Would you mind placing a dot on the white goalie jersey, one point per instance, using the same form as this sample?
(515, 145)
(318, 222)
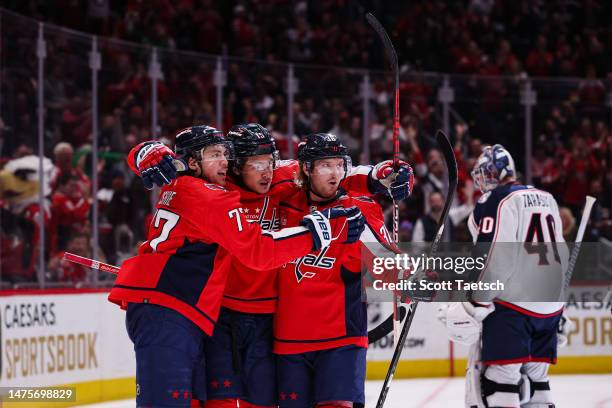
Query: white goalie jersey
(519, 229)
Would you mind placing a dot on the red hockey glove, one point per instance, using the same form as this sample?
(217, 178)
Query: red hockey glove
(397, 184)
(154, 162)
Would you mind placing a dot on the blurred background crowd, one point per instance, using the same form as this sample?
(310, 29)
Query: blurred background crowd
(488, 52)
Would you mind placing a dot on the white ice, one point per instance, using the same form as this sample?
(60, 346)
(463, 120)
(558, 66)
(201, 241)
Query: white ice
(570, 391)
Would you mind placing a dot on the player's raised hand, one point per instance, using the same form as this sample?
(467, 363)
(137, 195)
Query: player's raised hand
(397, 184)
(155, 163)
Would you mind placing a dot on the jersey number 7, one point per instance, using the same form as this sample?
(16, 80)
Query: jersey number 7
(539, 247)
(171, 219)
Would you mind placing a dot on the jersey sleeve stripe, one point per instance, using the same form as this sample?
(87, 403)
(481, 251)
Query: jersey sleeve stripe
(286, 233)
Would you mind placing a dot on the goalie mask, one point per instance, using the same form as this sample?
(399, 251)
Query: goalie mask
(493, 166)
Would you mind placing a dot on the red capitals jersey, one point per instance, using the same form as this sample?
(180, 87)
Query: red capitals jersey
(184, 264)
(319, 303)
(250, 292)
(68, 210)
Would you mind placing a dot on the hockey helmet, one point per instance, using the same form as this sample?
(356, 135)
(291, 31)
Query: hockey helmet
(191, 141)
(319, 146)
(251, 139)
(493, 166)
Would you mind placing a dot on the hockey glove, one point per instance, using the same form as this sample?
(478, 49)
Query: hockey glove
(397, 184)
(347, 224)
(320, 228)
(157, 164)
(344, 225)
(464, 321)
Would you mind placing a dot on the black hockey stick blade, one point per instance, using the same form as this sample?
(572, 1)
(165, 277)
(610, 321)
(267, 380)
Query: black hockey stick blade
(446, 148)
(385, 327)
(393, 63)
(451, 164)
(382, 33)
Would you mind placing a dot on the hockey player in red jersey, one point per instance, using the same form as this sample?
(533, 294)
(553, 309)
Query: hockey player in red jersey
(172, 289)
(320, 331)
(239, 354)
(240, 363)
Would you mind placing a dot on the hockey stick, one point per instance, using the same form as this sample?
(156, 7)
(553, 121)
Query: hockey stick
(451, 164)
(584, 220)
(392, 57)
(90, 263)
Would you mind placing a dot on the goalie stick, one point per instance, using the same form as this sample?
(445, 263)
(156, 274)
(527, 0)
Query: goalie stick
(392, 57)
(451, 164)
(584, 220)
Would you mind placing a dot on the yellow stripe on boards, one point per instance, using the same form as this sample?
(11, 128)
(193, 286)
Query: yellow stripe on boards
(376, 370)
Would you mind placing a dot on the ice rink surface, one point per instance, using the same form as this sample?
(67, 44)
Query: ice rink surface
(570, 391)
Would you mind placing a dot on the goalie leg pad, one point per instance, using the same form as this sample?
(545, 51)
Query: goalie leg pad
(473, 394)
(501, 385)
(539, 387)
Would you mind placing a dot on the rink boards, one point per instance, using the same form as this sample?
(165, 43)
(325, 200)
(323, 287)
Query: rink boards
(77, 338)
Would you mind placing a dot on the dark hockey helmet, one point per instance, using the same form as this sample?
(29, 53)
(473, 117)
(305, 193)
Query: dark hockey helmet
(190, 141)
(251, 139)
(317, 146)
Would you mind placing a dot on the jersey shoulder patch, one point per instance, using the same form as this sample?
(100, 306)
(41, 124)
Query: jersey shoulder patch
(483, 198)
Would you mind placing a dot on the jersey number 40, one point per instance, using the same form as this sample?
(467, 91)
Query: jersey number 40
(541, 245)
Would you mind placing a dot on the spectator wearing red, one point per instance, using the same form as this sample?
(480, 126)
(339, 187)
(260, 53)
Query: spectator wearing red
(69, 272)
(69, 209)
(580, 167)
(63, 154)
(592, 93)
(540, 60)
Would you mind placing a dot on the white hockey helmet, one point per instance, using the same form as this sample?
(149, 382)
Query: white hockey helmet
(493, 165)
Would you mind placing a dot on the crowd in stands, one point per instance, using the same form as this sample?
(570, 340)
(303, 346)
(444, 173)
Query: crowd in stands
(490, 48)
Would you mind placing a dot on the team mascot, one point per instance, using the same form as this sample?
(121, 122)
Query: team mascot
(19, 206)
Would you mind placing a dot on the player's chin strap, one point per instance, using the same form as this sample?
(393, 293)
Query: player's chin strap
(325, 200)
